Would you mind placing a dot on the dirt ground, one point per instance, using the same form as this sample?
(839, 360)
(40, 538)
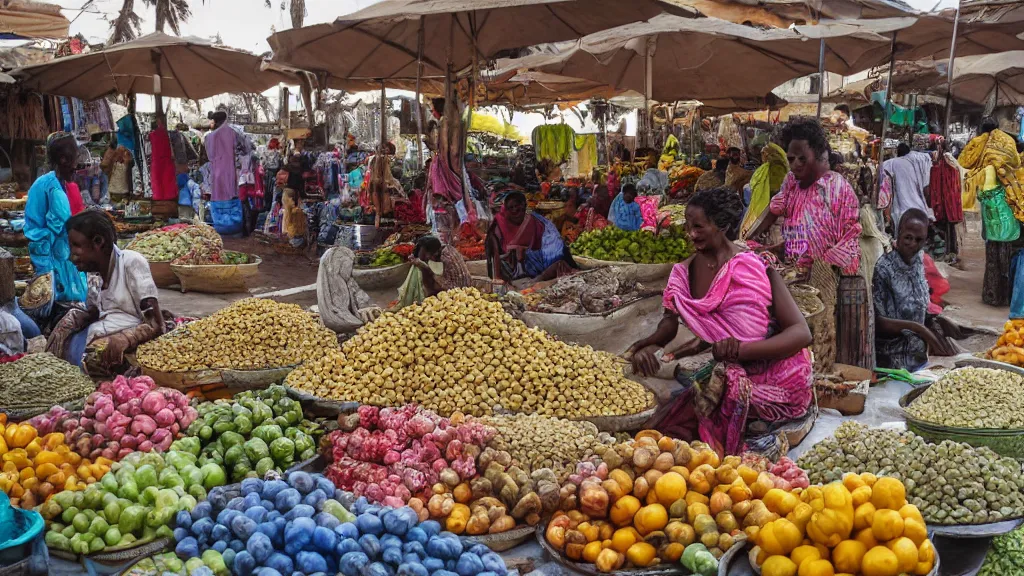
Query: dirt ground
(292, 278)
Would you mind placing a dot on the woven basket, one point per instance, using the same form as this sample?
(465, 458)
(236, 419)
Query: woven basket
(738, 549)
(823, 325)
(505, 540)
(1005, 442)
(644, 272)
(112, 556)
(381, 278)
(574, 325)
(162, 274)
(217, 278)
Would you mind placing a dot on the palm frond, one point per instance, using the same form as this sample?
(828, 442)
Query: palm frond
(127, 25)
(170, 14)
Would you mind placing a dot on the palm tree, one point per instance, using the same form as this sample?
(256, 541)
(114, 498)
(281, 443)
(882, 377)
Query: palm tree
(128, 24)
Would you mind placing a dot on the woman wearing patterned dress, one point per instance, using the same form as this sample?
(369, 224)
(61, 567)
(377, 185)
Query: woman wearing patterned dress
(903, 338)
(820, 211)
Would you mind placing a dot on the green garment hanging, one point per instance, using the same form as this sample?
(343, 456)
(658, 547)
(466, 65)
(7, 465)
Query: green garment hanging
(554, 142)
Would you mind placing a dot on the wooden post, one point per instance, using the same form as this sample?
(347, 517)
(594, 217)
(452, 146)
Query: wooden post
(885, 121)
(418, 110)
(6, 276)
(821, 74)
(949, 75)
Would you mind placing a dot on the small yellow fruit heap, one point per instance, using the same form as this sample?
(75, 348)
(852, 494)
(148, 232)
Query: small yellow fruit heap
(253, 333)
(860, 526)
(1010, 346)
(457, 352)
(654, 496)
(37, 467)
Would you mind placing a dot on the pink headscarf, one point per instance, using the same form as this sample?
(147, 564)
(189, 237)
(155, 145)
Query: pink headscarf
(736, 305)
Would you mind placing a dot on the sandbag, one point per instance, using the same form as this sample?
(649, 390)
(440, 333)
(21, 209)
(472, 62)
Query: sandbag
(227, 216)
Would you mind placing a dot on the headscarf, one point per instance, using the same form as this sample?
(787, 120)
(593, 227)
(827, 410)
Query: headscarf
(338, 296)
(998, 149)
(57, 136)
(625, 216)
(527, 234)
(765, 182)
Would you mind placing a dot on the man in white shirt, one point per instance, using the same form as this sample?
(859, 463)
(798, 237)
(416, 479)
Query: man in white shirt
(911, 176)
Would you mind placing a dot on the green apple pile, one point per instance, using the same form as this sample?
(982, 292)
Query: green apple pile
(136, 501)
(639, 246)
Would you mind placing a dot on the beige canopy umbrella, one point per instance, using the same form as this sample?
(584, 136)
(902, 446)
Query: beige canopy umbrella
(188, 67)
(382, 42)
(672, 58)
(992, 78)
(977, 34)
(20, 19)
(854, 92)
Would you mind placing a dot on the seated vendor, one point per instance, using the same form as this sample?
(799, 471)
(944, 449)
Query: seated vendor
(434, 270)
(742, 311)
(625, 212)
(524, 245)
(904, 334)
(122, 308)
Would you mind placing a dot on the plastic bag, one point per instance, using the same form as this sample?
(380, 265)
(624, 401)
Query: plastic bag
(17, 526)
(997, 216)
(227, 216)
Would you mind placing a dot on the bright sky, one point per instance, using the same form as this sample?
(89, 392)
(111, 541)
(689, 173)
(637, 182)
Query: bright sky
(246, 24)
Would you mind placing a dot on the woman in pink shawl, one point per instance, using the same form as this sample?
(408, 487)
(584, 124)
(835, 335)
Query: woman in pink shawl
(740, 309)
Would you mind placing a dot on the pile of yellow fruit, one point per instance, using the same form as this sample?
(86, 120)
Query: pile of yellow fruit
(35, 468)
(459, 352)
(253, 333)
(860, 526)
(657, 496)
(1010, 346)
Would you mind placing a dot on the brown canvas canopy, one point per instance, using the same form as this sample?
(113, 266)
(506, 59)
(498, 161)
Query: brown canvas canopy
(929, 37)
(27, 19)
(382, 42)
(707, 58)
(188, 67)
(996, 78)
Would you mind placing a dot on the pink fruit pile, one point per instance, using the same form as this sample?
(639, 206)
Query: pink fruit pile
(120, 417)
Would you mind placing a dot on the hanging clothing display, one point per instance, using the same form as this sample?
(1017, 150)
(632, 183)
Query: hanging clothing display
(554, 142)
(126, 133)
(220, 149)
(945, 191)
(161, 171)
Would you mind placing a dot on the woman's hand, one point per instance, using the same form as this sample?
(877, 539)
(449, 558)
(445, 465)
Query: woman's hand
(937, 345)
(643, 359)
(418, 263)
(113, 352)
(727, 350)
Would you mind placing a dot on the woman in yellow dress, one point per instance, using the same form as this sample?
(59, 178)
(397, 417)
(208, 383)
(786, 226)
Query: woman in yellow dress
(992, 156)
